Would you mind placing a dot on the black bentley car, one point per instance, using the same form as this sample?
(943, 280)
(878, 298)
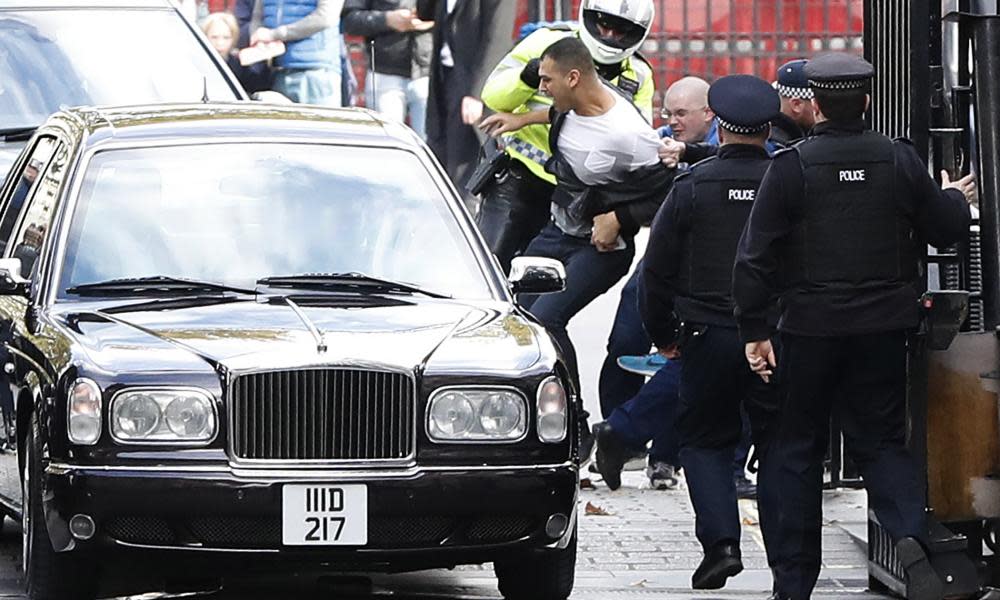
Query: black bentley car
(257, 337)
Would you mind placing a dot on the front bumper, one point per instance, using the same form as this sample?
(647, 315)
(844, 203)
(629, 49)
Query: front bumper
(418, 518)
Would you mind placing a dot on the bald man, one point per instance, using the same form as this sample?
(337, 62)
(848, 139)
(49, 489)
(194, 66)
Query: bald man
(686, 111)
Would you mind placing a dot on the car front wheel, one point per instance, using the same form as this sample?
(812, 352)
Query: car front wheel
(48, 575)
(544, 575)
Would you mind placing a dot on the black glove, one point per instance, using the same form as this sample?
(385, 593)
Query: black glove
(529, 74)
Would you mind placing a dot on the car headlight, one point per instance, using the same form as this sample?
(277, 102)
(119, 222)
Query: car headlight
(477, 415)
(84, 412)
(552, 411)
(163, 415)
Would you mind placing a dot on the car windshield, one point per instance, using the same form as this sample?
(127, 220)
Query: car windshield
(75, 57)
(233, 213)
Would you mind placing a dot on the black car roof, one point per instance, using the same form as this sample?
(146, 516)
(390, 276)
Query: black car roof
(205, 122)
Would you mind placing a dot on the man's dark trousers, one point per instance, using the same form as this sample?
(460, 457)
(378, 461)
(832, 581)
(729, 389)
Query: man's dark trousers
(651, 414)
(628, 338)
(589, 274)
(715, 381)
(455, 144)
(863, 377)
(514, 210)
(654, 400)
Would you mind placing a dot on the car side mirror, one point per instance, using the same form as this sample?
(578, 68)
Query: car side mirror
(11, 282)
(536, 275)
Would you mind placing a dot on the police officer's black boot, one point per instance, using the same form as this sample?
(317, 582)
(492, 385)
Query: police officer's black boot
(721, 562)
(922, 581)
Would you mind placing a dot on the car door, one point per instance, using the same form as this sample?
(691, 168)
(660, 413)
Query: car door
(24, 225)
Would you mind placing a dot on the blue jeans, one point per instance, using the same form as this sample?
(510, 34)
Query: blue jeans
(589, 274)
(651, 414)
(628, 338)
(310, 86)
(396, 97)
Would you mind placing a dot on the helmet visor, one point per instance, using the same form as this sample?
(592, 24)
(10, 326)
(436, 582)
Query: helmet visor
(612, 30)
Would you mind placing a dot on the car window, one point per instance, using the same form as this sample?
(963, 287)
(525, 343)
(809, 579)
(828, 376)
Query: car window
(234, 213)
(34, 226)
(27, 180)
(89, 56)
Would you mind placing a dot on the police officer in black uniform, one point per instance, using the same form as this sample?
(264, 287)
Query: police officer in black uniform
(687, 307)
(838, 230)
(796, 117)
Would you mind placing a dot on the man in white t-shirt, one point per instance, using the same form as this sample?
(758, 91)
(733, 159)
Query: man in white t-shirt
(610, 181)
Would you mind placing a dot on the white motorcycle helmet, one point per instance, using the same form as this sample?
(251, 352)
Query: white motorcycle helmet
(614, 29)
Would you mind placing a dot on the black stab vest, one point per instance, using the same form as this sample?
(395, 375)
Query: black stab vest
(723, 194)
(852, 230)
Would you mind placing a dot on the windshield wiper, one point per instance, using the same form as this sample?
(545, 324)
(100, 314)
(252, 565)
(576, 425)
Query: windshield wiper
(155, 283)
(17, 134)
(354, 281)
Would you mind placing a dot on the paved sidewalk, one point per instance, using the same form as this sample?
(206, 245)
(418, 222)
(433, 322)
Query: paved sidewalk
(645, 548)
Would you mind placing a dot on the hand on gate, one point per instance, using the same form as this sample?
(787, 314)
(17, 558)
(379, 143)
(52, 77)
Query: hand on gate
(966, 185)
(760, 355)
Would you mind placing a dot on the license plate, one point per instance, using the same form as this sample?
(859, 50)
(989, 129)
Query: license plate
(324, 515)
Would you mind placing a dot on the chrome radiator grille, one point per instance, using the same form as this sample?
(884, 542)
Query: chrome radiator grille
(322, 414)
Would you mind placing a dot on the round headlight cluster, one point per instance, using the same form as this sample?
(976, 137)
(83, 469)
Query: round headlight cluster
(163, 416)
(477, 415)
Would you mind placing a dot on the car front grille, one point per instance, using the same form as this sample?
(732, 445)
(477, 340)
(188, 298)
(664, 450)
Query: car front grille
(499, 529)
(323, 414)
(141, 530)
(264, 532)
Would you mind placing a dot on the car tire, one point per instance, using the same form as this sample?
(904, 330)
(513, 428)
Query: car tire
(48, 575)
(547, 575)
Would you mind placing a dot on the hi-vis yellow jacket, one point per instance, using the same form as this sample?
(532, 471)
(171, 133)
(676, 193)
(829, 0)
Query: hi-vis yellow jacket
(505, 92)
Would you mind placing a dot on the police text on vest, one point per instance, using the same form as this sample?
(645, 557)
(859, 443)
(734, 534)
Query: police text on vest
(852, 176)
(742, 195)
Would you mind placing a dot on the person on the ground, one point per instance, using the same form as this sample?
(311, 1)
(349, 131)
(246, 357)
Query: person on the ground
(516, 206)
(398, 48)
(839, 230)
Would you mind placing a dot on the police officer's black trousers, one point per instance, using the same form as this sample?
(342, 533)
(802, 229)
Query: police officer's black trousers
(862, 377)
(513, 211)
(715, 380)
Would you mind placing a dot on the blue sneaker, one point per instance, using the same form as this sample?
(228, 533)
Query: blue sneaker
(646, 365)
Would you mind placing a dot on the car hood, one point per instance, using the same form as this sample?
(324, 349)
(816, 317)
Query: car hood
(438, 335)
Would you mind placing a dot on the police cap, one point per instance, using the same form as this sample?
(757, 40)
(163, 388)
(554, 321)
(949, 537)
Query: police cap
(792, 81)
(839, 71)
(743, 104)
